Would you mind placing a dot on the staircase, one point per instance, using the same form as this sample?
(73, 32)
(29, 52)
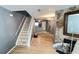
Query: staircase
(23, 36)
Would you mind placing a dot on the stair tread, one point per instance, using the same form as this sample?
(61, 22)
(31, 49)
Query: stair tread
(23, 38)
(21, 44)
(24, 31)
(23, 34)
(22, 41)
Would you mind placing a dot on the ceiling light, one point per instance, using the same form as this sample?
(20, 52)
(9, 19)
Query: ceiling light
(25, 9)
(48, 15)
(11, 15)
(36, 23)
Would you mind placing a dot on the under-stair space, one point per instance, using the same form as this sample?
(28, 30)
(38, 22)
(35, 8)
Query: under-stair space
(23, 36)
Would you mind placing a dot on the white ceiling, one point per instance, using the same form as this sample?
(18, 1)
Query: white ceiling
(32, 9)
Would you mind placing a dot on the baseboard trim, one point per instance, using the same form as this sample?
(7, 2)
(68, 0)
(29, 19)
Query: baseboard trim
(11, 49)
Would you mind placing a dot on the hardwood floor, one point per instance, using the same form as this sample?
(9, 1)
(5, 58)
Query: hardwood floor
(44, 39)
(40, 45)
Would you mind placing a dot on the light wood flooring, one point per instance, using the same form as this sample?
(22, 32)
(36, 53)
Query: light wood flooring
(40, 45)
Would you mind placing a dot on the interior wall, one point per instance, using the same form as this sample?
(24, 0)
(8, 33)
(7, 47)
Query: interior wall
(8, 29)
(52, 24)
(43, 25)
(60, 21)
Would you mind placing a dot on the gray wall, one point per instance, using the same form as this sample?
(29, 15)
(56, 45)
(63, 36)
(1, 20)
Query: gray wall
(8, 28)
(51, 26)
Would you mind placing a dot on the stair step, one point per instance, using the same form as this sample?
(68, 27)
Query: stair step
(25, 26)
(24, 31)
(21, 44)
(23, 38)
(27, 21)
(23, 34)
(22, 41)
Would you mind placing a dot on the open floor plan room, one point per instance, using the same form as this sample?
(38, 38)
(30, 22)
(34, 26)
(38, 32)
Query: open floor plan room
(39, 29)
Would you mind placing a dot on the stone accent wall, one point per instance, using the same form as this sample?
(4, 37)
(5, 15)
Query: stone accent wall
(60, 22)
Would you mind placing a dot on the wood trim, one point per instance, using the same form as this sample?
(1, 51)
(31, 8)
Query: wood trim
(11, 49)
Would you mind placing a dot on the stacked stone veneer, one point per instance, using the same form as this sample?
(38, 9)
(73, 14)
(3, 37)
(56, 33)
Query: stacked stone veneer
(60, 21)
